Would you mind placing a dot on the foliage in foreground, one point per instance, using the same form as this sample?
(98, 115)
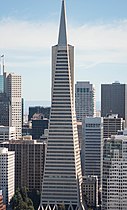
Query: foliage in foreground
(20, 200)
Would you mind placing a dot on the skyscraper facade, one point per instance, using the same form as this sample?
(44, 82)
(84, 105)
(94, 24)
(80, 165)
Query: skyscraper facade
(114, 99)
(1, 84)
(92, 147)
(2, 74)
(13, 92)
(5, 110)
(62, 175)
(84, 100)
(114, 184)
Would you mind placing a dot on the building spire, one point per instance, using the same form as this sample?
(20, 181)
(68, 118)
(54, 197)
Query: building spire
(62, 39)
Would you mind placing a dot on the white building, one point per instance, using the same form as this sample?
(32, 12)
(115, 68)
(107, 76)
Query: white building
(84, 100)
(62, 175)
(7, 174)
(13, 91)
(92, 147)
(114, 184)
(7, 133)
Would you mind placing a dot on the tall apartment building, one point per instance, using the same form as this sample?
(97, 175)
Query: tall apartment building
(84, 100)
(111, 124)
(13, 92)
(114, 185)
(29, 162)
(62, 175)
(114, 99)
(7, 174)
(92, 147)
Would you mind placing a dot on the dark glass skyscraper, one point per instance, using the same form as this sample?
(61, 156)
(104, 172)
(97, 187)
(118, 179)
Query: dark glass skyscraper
(2, 74)
(1, 84)
(113, 99)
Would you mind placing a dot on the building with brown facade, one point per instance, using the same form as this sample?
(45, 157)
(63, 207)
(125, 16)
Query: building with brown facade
(29, 162)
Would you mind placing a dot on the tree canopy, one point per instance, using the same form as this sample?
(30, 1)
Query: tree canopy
(20, 200)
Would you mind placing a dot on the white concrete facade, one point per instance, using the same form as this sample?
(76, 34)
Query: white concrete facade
(85, 103)
(7, 174)
(114, 184)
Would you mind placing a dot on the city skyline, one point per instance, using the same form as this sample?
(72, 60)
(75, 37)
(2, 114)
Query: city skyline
(27, 32)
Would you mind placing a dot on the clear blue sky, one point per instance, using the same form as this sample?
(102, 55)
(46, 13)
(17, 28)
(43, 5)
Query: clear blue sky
(97, 29)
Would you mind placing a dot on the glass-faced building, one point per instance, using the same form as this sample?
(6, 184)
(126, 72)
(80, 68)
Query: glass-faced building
(1, 83)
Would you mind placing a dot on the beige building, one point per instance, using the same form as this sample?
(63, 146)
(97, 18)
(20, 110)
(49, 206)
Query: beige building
(29, 162)
(13, 91)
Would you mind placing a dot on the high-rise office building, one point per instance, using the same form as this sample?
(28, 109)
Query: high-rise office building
(5, 104)
(2, 74)
(111, 124)
(5, 110)
(114, 99)
(1, 83)
(92, 147)
(84, 100)
(13, 92)
(29, 162)
(114, 182)
(62, 175)
(7, 174)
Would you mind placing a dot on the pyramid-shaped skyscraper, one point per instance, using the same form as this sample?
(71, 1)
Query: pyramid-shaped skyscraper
(62, 175)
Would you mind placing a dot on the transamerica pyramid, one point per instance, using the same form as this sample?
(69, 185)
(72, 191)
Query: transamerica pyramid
(62, 174)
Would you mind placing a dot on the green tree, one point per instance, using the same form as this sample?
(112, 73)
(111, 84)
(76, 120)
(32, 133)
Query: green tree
(21, 201)
(34, 195)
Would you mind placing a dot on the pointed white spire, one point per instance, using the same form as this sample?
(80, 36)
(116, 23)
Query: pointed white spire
(62, 39)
